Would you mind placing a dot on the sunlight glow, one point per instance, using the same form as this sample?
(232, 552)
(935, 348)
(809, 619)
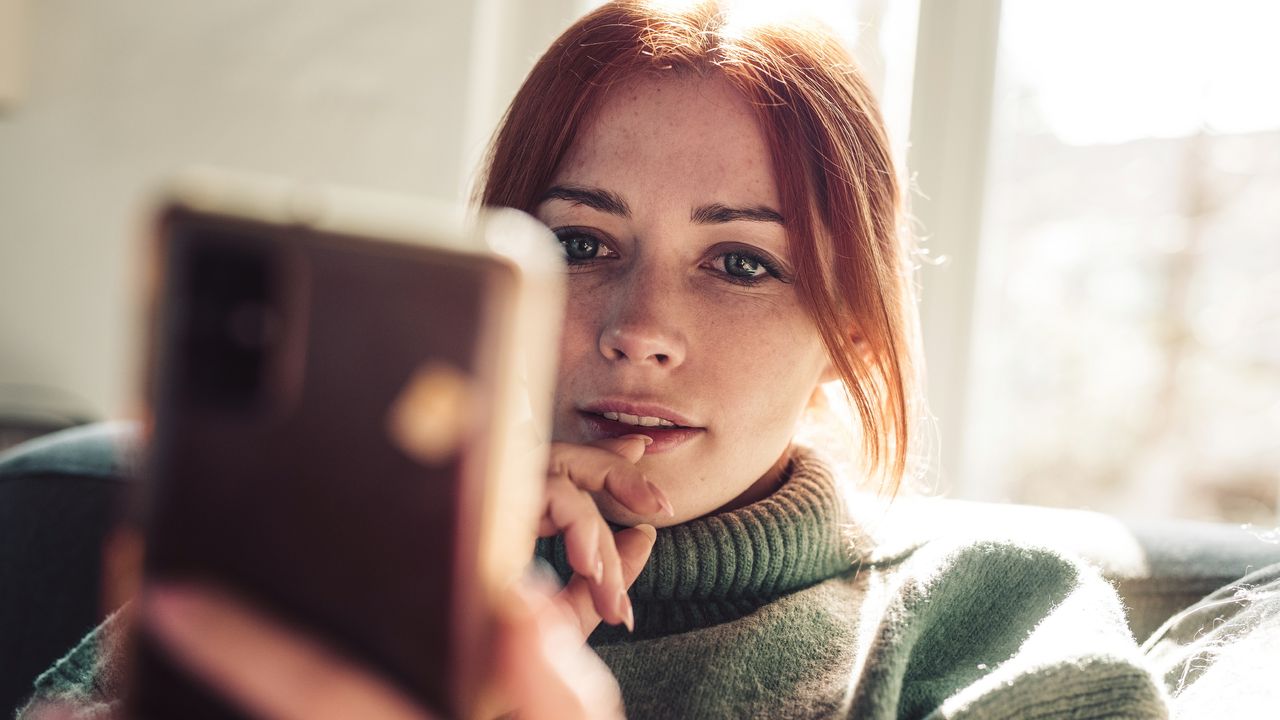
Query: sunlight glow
(839, 15)
(1108, 72)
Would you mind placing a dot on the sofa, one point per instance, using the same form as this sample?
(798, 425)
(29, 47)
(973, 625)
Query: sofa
(60, 495)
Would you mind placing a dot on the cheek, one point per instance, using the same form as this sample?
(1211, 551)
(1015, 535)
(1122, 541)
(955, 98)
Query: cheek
(578, 336)
(765, 363)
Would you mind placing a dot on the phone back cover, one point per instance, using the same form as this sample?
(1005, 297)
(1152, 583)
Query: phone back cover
(307, 504)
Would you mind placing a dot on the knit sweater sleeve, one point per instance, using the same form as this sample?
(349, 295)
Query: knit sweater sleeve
(989, 629)
(87, 683)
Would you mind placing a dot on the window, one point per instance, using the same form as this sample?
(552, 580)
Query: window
(1125, 347)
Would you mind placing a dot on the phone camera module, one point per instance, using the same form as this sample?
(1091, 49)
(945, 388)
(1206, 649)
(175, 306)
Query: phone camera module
(228, 320)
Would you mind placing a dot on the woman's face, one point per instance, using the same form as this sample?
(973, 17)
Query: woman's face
(681, 303)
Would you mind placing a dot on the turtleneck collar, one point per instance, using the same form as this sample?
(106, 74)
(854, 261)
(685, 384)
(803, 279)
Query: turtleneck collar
(719, 567)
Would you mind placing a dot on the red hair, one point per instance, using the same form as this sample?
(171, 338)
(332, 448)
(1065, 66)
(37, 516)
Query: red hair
(833, 167)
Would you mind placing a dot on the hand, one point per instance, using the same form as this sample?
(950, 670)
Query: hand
(604, 564)
(544, 670)
(543, 667)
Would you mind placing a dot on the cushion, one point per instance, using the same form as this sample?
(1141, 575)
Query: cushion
(58, 499)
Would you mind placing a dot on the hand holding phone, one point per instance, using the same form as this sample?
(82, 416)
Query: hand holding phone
(545, 672)
(329, 385)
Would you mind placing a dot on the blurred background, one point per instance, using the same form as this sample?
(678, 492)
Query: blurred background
(1097, 182)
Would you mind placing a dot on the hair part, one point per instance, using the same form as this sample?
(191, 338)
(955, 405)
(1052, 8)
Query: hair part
(833, 166)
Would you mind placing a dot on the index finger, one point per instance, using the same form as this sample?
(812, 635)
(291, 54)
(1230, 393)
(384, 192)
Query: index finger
(600, 467)
(632, 447)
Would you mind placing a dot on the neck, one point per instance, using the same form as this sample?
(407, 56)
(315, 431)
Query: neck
(761, 488)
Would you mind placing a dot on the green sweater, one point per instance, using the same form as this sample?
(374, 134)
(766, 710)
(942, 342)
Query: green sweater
(780, 609)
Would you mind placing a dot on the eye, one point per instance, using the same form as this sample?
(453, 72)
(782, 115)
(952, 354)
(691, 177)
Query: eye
(747, 268)
(581, 246)
(743, 265)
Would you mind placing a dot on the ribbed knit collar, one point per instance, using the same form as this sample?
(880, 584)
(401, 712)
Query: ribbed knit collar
(720, 567)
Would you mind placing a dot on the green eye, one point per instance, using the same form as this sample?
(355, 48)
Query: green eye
(581, 247)
(743, 266)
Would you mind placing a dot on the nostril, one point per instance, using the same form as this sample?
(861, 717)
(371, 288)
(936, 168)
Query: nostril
(643, 347)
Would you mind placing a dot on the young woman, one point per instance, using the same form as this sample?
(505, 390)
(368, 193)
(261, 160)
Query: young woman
(732, 224)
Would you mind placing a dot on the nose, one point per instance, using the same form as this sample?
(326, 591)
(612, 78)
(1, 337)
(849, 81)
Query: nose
(641, 345)
(640, 332)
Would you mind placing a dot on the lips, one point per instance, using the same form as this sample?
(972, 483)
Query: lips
(640, 409)
(666, 437)
(597, 427)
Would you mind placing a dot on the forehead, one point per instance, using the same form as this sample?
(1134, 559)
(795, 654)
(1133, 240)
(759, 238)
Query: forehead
(683, 138)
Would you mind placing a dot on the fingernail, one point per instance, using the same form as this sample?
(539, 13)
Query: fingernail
(173, 610)
(647, 440)
(649, 531)
(596, 563)
(173, 601)
(628, 614)
(661, 497)
(161, 608)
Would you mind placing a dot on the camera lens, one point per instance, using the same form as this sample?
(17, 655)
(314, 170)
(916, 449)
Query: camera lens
(228, 320)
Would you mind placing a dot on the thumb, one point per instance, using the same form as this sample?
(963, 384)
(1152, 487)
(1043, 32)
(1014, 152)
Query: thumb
(545, 670)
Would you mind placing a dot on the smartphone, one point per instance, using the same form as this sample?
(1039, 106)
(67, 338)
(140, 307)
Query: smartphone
(349, 401)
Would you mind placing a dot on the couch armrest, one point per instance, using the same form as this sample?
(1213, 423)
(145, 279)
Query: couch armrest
(58, 494)
(58, 500)
(1158, 567)
(1187, 560)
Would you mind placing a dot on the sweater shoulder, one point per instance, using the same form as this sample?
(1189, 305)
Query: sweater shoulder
(976, 559)
(954, 578)
(87, 681)
(970, 591)
(987, 627)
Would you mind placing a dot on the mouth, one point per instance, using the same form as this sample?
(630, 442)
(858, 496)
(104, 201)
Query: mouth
(667, 432)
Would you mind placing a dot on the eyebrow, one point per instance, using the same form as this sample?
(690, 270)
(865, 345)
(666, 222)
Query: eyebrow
(718, 213)
(612, 203)
(601, 200)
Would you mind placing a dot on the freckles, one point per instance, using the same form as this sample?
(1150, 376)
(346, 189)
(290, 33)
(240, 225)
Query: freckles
(586, 301)
(759, 314)
(753, 340)
(578, 322)
(768, 346)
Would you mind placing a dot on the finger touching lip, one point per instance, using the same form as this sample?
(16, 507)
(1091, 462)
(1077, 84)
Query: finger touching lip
(630, 446)
(597, 427)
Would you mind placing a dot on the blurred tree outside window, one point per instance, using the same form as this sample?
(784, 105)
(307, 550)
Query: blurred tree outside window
(1126, 347)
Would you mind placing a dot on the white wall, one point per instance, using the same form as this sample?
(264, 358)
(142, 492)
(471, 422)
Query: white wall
(393, 94)
(117, 94)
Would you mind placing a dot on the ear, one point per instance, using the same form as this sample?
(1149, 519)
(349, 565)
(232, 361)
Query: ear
(817, 398)
(863, 349)
(828, 373)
